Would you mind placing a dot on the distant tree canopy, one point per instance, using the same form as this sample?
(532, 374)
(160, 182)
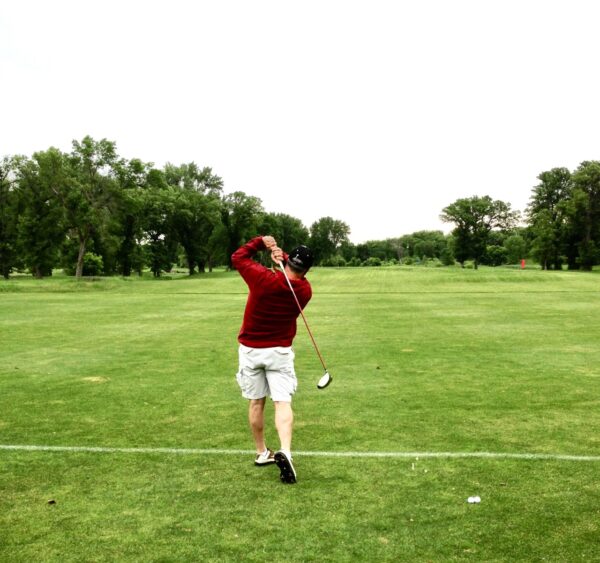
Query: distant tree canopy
(9, 209)
(327, 235)
(547, 214)
(475, 219)
(92, 212)
(564, 217)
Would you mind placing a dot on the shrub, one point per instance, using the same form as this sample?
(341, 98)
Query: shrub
(372, 261)
(334, 262)
(433, 263)
(447, 257)
(516, 249)
(494, 255)
(93, 264)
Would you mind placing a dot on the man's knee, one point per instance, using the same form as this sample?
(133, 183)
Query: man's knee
(257, 403)
(283, 409)
(283, 405)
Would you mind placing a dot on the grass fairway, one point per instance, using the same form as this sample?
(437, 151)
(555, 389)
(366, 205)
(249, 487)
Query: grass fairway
(428, 361)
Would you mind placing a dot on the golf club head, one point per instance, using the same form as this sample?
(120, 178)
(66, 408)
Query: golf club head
(324, 381)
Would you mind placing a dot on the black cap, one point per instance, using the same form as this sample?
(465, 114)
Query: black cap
(301, 258)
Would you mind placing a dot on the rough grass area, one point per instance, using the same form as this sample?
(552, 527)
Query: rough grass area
(424, 360)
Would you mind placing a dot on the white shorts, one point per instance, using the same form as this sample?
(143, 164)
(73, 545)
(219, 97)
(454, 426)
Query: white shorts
(267, 372)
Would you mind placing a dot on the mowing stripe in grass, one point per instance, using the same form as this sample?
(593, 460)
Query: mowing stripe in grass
(398, 455)
(334, 293)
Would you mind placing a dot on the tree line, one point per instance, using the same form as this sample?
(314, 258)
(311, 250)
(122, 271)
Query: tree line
(562, 223)
(91, 212)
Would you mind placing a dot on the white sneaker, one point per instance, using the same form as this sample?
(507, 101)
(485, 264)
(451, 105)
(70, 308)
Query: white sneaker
(266, 458)
(288, 473)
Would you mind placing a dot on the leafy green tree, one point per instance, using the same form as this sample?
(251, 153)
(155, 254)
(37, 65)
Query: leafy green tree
(475, 218)
(84, 183)
(543, 247)
(327, 235)
(197, 210)
(372, 261)
(447, 253)
(292, 232)
(516, 248)
(106, 242)
(289, 232)
(495, 255)
(585, 212)
(383, 249)
(370, 248)
(93, 264)
(422, 245)
(191, 177)
(132, 178)
(547, 215)
(41, 222)
(396, 248)
(159, 241)
(195, 218)
(348, 252)
(428, 244)
(240, 216)
(93, 165)
(461, 246)
(216, 247)
(8, 217)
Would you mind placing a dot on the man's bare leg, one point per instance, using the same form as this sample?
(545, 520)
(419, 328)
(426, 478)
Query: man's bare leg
(256, 417)
(284, 420)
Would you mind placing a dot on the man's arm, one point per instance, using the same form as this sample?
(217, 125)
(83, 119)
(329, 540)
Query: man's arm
(242, 260)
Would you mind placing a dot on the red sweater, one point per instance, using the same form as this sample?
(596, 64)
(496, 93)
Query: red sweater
(271, 312)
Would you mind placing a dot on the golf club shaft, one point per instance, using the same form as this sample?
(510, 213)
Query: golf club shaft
(302, 314)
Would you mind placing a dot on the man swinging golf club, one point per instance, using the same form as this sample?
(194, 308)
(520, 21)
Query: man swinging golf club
(266, 358)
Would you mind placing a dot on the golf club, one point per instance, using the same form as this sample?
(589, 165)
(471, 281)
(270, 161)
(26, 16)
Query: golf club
(325, 378)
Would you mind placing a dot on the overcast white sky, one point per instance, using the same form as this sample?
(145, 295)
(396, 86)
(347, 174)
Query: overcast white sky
(377, 113)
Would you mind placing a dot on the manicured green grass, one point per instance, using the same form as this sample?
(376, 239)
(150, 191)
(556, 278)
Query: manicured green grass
(424, 360)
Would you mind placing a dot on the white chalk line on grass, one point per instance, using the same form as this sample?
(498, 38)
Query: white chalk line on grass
(393, 455)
